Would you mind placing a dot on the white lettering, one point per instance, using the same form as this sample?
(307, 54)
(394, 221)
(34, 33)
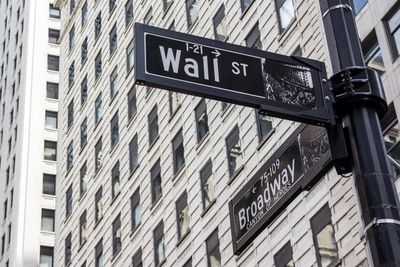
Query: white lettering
(291, 170)
(235, 66)
(191, 68)
(216, 69)
(170, 59)
(242, 218)
(205, 65)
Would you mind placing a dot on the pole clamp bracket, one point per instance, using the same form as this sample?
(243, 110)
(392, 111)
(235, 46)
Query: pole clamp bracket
(376, 222)
(339, 6)
(358, 85)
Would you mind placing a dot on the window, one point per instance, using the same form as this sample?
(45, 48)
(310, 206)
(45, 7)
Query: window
(207, 185)
(182, 216)
(3, 244)
(392, 138)
(50, 150)
(159, 250)
(53, 63)
(135, 210)
(114, 130)
(137, 259)
(253, 38)
(71, 74)
(98, 205)
(115, 183)
(84, 91)
(53, 36)
(97, 26)
(213, 253)
(264, 125)
(245, 4)
(192, 12)
(5, 206)
(46, 256)
(72, 5)
(99, 261)
(84, 51)
(72, 37)
(220, 27)
(324, 237)
(132, 103)
(372, 53)
(153, 125)
(98, 66)
(82, 229)
(111, 5)
(84, 13)
(83, 177)
(9, 234)
(70, 113)
(114, 83)
(54, 12)
(98, 109)
(133, 153)
(283, 258)
(285, 11)
(113, 39)
(155, 174)
(68, 249)
(148, 17)
(128, 12)
(234, 152)
(70, 156)
(49, 184)
(201, 120)
(51, 119)
(84, 133)
(393, 25)
(178, 152)
(174, 102)
(68, 201)
(358, 5)
(116, 234)
(52, 90)
(130, 56)
(167, 4)
(188, 263)
(98, 155)
(47, 223)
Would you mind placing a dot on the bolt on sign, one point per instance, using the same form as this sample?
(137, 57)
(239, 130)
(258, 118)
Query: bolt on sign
(298, 164)
(282, 86)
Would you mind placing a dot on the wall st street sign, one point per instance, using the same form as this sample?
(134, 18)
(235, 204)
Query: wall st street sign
(282, 86)
(298, 164)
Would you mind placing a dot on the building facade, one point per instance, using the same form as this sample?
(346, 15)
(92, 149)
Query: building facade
(145, 175)
(29, 64)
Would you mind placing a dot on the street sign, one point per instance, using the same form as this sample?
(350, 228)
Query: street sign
(298, 164)
(282, 86)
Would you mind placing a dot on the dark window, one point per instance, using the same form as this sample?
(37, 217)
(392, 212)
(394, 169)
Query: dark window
(253, 38)
(97, 26)
(245, 4)
(153, 125)
(84, 51)
(71, 74)
(98, 109)
(98, 205)
(213, 253)
(115, 180)
(114, 83)
(358, 5)
(372, 53)
(133, 153)
(283, 258)
(3, 244)
(70, 156)
(111, 5)
(72, 37)
(174, 102)
(167, 4)
(182, 215)
(128, 12)
(117, 234)
(114, 129)
(84, 133)
(192, 12)
(132, 103)
(99, 261)
(130, 55)
(285, 11)
(70, 113)
(135, 209)
(5, 206)
(234, 151)
(53, 36)
(98, 154)
(46, 256)
(84, 13)
(149, 16)
(53, 63)
(98, 69)
(393, 25)
(159, 249)
(54, 12)
(137, 259)
(68, 249)
(207, 185)
(201, 120)
(84, 90)
(49, 184)
(72, 5)
(188, 263)
(155, 174)
(83, 177)
(50, 150)
(68, 201)
(113, 39)
(51, 119)
(392, 140)
(264, 125)
(178, 152)
(324, 237)
(52, 90)
(82, 229)
(220, 27)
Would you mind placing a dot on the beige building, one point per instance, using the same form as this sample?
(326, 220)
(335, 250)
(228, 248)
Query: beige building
(145, 176)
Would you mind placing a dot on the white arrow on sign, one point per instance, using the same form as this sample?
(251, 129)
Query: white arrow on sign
(216, 53)
(254, 190)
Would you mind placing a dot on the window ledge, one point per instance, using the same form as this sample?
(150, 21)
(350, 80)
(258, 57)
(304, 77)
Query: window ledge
(203, 141)
(244, 12)
(162, 262)
(265, 139)
(82, 196)
(286, 32)
(133, 171)
(156, 204)
(130, 120)
(114, 147)
(208, 207)
(172, 116)
(183, 238)
(47, 232)
(135, 231)
(238, 257)
(113, 97)
(129, 26)
(116, 256)
(225, 113)
(236, 174)
(67, 218)
(82, 148)
(179, 173)
(113, 200)
(165, 12)
(81, 245)
(98, 222)
(154, 142)
(50, 197)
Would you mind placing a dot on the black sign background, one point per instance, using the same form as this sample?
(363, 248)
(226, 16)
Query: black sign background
(307, 152)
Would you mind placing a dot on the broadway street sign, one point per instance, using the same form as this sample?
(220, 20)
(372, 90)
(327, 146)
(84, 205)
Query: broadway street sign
(298, 164)
(282, 86)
